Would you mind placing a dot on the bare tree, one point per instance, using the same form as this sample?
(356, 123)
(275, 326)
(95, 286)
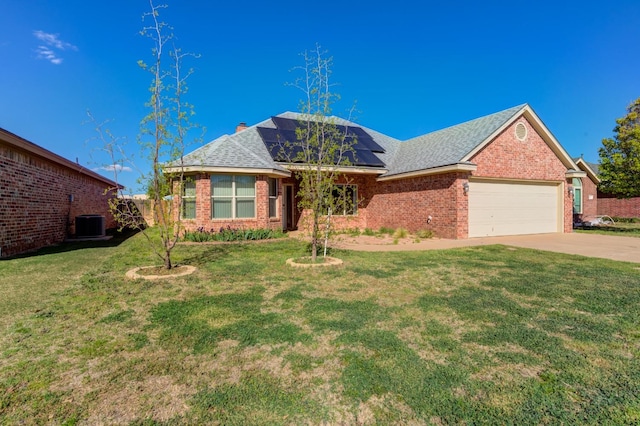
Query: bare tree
(163, 136)
(323, 148)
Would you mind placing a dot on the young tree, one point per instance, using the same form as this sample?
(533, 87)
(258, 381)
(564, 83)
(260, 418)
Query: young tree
(322, 148)
(165, 128)
(162, 140)
(620, 156)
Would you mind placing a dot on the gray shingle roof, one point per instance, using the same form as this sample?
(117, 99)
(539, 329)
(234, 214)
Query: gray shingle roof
(447, 146)
(244, 149)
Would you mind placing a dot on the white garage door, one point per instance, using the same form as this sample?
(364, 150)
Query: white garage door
(513, 208)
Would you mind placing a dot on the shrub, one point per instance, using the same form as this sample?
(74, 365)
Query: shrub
(400, 233)
(368, 232)
(385, 230)
(424, 233)
(231, 234)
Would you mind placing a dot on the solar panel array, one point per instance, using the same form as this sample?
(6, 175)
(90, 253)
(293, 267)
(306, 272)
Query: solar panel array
(283, 145)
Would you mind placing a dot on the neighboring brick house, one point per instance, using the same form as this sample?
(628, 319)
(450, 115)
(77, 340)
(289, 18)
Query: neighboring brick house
(41, 193)
(502, 174)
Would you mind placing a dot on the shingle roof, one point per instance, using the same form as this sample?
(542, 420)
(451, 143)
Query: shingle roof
(447, 146)
(244, 149)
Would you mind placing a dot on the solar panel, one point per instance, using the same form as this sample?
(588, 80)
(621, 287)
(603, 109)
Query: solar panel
(282, 142)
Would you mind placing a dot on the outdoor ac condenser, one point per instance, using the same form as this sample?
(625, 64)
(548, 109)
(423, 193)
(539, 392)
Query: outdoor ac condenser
(90, 225)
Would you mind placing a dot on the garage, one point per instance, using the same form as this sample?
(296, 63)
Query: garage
(514, 208)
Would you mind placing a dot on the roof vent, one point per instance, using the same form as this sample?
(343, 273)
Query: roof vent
(521, 131)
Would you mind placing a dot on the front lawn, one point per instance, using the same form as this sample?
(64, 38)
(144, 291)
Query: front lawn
(481, 335)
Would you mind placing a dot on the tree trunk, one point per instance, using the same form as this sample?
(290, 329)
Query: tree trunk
(167, 260)
(314, 238)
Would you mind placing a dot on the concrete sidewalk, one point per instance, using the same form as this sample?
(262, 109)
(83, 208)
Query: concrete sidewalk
(592, 245)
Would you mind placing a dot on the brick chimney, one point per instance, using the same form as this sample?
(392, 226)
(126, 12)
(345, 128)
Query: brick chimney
(240, 127)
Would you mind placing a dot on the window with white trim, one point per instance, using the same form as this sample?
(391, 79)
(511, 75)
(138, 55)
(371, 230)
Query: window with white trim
(188, 199)
(233, 196)
(344, 200)
(273, 197)
(577, 195)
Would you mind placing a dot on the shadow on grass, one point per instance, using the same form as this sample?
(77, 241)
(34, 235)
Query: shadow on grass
(118, 237)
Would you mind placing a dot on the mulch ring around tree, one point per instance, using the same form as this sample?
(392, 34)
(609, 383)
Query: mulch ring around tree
(159, 272)
(305, 262)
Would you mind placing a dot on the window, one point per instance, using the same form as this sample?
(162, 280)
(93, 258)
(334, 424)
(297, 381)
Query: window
(577, 195)
(188, 199)
(273, 196)
(344, 200)
(233, 196)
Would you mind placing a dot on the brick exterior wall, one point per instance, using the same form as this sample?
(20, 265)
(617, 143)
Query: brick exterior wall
(589, 200)
(35, 210)
(203, 208)
(408, 203)
(506, 157)
(624, 207)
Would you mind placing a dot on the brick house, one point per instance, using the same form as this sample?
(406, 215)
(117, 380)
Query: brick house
(41, 194)
(501, 174)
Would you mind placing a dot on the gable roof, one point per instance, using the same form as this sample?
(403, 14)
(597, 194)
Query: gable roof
(448, 146)
(444, 150)
(591, 169)
(242, 150)
(16, 142)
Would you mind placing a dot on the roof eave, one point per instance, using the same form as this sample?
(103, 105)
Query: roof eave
(22, 144)
(458, 167)
(571, 173)
(229, 170)
(590, 173)
(340, 169)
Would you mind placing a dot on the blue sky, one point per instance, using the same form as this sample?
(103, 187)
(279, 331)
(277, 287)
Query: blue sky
(411, 66)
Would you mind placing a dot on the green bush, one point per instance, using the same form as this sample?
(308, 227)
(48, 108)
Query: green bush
(385, 230)
(231, 234)
(424, 233)
(368, 232)
(400, 233)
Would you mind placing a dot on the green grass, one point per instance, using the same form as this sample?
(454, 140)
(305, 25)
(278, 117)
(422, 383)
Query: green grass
(629, 228)
(480, 335)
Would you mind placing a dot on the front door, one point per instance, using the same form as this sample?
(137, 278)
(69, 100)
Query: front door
(288, 209)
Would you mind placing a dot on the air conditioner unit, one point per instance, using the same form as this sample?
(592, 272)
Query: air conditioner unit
(90, 225)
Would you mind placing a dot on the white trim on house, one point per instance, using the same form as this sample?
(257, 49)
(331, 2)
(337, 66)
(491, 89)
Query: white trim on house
(227, 170)
(340, 169)
(460, 167)
(590, 173)
(570, 174)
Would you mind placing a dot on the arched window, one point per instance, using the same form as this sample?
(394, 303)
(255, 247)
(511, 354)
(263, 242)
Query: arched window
(577, 195)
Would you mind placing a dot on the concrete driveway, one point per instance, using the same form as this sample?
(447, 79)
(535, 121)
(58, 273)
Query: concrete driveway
(625, 249)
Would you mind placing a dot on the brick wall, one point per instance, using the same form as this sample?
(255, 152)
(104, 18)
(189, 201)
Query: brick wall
(612, 206)
(589, 199)
(507, 157)
(203, 208)
(35, 210)
(408, 203)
